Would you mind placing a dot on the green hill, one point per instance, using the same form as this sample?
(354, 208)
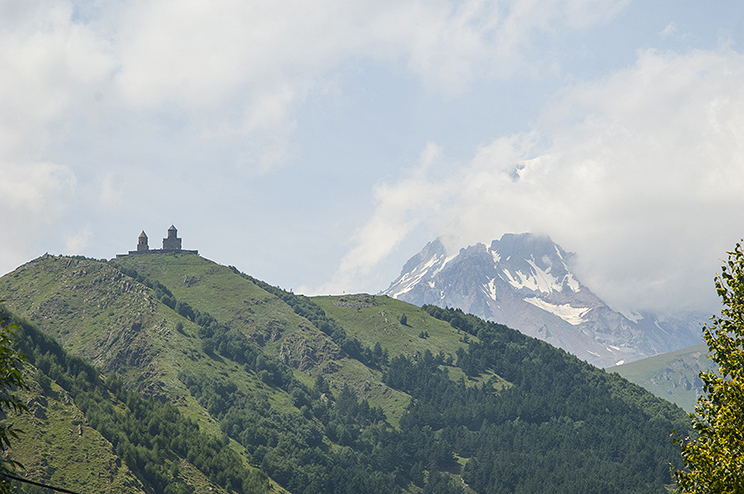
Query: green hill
(84, 433)
(337, 394)
(672, 376)
(58, 446)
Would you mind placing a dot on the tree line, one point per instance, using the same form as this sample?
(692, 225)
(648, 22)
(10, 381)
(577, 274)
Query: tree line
(147, 435)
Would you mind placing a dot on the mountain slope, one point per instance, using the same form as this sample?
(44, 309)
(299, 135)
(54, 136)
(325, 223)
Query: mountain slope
(344, 394)
(672, 376)
(58, 447)
(261, 368)
(83, 432)
(525, 282)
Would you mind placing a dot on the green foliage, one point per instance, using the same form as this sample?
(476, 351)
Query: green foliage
(715, 459)
(484, 404)
(311, 311)
(148, 435)
(11, 380)
(564, 426)
(290, 447)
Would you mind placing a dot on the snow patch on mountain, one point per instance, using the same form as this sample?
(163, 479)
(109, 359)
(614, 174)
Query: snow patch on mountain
(572, 283)
(540, 280)
(410, 280)
(628, 314)
(494, 282)
(491, 288)
(441, 267)
(572, 315)
(422, 272)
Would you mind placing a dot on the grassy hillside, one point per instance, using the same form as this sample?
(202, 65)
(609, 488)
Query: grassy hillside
(401, 329)
(267, 321)
(58, 447)
(375, 319)
(83, 434)
(344, 394)
(672, 376)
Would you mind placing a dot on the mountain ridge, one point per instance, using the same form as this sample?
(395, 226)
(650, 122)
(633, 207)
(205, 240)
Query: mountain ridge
(526, 282)
(360, 393)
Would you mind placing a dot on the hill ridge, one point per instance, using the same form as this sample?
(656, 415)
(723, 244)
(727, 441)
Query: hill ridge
(397, 401)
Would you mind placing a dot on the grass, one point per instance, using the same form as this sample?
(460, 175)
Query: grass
(91, 308)
(672, 376)
(373, 319)
(54, 452)
(379, 320)
(120, 326)
(216, 289)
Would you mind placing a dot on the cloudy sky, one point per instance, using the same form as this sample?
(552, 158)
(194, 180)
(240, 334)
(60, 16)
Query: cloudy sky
(319, 145)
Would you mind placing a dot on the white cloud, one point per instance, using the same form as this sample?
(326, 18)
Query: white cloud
(197, 55)
(643, 178)
(231, 66)
(668, 30)
(401, 207)
(52, 68)
(111, 192)
(77, 241)
(227, 71)
(32, 197)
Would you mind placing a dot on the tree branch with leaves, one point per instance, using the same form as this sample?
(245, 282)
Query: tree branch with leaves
(11, 380)
(715, 459)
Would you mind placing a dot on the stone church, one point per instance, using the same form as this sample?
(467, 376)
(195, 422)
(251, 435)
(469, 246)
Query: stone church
(171, 244)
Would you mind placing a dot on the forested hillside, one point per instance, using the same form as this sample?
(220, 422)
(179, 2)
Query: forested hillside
(330, 394)
(165, 451)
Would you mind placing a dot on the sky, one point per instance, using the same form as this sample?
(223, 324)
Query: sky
(319, 145)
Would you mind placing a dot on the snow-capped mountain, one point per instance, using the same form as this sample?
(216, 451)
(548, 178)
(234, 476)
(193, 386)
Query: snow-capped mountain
(525, 282)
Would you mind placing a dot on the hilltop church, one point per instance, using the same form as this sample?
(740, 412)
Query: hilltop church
(171, 245)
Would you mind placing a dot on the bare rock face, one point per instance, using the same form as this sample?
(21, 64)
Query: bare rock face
(297, 352)
(525, 281)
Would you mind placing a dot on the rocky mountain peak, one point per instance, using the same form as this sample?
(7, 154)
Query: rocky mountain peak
(525, 281)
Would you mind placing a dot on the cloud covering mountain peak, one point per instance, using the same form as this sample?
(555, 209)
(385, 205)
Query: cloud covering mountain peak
(525, 281)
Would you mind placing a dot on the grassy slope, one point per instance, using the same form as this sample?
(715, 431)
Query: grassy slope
(672, 376)
(58, 448)
(374, 319)
(119, 325)
(266, 319)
